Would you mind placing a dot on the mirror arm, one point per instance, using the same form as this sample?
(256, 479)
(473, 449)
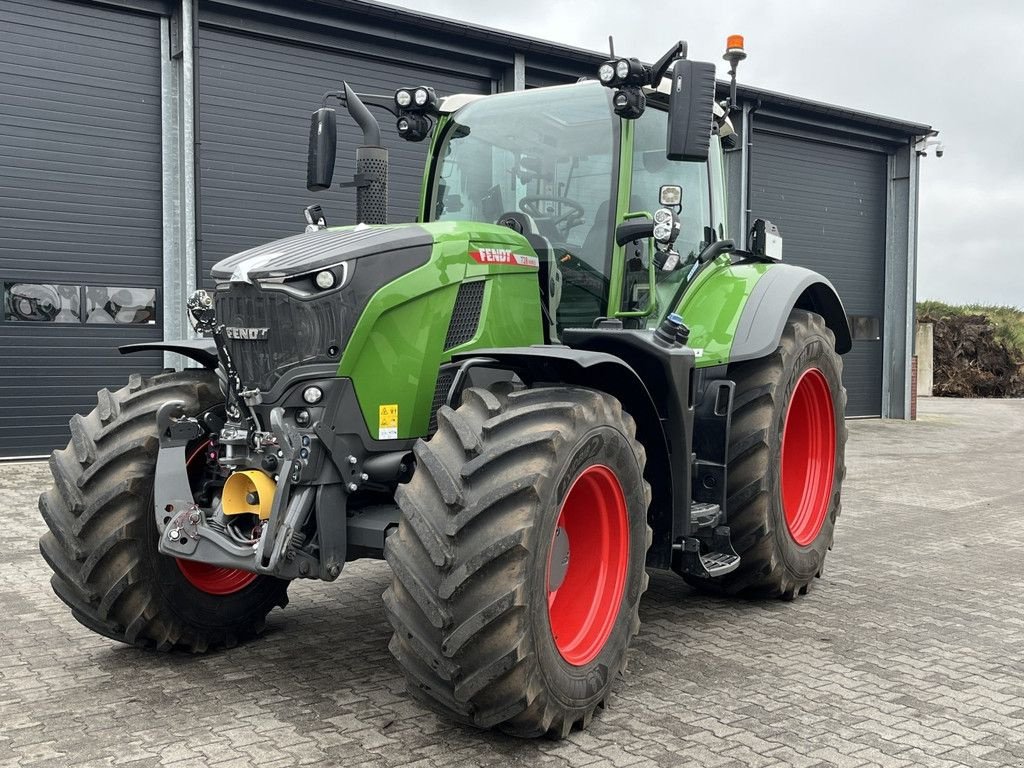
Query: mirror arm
(677, 51)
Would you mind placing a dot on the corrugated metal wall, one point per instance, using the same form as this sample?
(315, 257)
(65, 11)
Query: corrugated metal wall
(256, 95)
(829, 202)
(79, 209)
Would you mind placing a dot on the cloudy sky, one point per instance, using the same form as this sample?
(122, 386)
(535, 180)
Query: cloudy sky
(957, 65)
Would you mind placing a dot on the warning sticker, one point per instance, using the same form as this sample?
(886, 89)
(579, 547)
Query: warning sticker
(503, 256)
(387, 427)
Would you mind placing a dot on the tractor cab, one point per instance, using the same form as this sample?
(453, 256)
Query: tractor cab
(558, 166)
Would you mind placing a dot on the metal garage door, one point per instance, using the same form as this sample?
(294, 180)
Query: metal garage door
(80, 210)
(829, 204)
(256, 95)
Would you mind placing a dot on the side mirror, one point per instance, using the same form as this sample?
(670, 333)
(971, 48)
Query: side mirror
(323, 145)
(765, 240)
(691, 110)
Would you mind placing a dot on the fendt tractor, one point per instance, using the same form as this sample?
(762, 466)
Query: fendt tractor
(564, 373)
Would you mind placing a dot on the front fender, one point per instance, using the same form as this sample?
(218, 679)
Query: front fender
(667, 471)
(203, 351)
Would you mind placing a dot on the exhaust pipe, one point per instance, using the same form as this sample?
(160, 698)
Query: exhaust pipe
(371, 164)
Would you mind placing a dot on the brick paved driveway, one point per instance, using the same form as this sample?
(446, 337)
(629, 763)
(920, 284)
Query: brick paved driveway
(910, 651)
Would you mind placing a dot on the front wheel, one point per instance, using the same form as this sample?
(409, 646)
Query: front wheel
(519, 559)
(786, 463)
(102, 542)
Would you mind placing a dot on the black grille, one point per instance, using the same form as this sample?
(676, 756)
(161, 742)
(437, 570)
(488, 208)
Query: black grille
(298, 331)
(444, 383)
(465, 315)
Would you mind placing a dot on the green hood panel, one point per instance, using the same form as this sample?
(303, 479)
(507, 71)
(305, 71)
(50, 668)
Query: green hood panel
(398, 343)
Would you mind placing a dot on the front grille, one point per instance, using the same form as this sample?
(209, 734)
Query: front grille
(298, 331)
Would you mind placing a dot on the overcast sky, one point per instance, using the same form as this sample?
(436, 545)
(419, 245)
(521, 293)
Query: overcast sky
(957, 65)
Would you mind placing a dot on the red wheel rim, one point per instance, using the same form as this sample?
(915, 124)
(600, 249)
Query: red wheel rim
(212, 579)
(586, 578)
(808, 456)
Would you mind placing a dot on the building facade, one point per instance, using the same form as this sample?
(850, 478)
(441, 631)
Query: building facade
(144, 140)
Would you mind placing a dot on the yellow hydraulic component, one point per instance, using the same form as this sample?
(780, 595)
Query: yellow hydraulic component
(248, 493)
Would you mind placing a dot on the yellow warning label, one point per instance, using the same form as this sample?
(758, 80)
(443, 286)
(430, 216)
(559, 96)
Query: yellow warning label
(387, 427)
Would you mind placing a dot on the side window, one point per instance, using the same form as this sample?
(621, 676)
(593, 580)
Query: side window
(651, 169)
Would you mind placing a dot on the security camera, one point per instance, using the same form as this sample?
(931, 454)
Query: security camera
(924, 144)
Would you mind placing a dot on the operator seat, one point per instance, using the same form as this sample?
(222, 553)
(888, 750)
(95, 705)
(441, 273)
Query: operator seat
(548, 275)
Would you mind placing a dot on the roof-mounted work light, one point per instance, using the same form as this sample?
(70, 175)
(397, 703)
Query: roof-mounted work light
(414, 107)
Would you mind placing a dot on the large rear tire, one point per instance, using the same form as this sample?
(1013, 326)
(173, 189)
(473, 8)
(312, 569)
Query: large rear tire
(102, 543)
(519, 559)
(786, 463)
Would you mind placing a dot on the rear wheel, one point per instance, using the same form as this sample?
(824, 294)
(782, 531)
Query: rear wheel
(519, 560)
(786, 463)
(102, 543)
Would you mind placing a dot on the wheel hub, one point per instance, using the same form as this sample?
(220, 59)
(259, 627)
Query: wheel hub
(585, 589)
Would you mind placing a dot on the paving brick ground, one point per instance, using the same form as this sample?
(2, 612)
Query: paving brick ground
(910, 651)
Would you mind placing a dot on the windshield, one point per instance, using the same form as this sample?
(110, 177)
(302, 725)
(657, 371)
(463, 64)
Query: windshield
(549, 154)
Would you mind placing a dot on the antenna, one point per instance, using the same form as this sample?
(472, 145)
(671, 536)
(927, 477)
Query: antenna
(611, 47)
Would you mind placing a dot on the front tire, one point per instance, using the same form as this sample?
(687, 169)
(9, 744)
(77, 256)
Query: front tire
(786, 463)
(102, 542)
(498, 622)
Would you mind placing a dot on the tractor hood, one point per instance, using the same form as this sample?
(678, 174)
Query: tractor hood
(317, 250)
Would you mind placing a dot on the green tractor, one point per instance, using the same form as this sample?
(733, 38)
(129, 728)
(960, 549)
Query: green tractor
(563, 374)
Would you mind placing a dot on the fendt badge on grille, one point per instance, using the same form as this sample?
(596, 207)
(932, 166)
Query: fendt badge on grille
(247, 334)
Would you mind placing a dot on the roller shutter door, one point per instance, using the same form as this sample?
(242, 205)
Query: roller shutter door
(829, 202)
(256, 95)
(80, 210)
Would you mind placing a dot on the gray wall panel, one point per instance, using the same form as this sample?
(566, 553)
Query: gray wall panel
(256, 95)
(829, 204)
(79, 201)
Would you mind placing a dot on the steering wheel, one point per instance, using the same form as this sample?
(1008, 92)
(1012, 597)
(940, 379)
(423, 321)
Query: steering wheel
(530, 205)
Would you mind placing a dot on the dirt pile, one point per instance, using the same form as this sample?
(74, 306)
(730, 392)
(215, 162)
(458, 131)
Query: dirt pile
(970, 361)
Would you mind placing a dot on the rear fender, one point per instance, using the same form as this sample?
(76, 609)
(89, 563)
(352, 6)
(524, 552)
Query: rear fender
(784, 288)
(738, 311)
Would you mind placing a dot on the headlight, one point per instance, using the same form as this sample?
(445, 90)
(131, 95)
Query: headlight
(324, 280)
(312, 395)
(622, 69)
(420, 96)
(606, 73)
(403, 98)
(663, 216)
(662, 231)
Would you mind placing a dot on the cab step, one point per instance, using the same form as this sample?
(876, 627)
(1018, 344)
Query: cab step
(687, 558)
(719, 563)
(704, 515)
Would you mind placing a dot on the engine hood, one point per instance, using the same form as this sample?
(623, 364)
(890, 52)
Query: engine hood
(311, 251)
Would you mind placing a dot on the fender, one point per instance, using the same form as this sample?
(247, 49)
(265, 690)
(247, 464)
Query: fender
(783, 288)
(613, 375)
(737, 310)
(203, 351)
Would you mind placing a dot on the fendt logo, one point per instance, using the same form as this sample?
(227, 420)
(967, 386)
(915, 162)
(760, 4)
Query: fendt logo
(503, 256)
(246, 334)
